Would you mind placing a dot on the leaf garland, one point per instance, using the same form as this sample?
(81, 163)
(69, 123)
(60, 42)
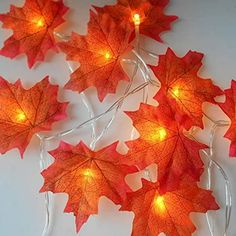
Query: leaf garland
(86, 175)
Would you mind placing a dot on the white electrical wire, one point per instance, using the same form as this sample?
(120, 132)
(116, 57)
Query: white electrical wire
(228, 195)
(48, 205)
(212, 163)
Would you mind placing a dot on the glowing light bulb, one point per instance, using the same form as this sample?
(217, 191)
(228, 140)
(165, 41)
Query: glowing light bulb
(159, 134)
(176, 91)
(20, 116)
(136, 19)
(162, 134)
(39, 22)
(88, 173)
(107, 55)
(159, 204)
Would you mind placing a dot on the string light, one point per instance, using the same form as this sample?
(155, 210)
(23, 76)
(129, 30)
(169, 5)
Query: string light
(20, 116)
(136, 19)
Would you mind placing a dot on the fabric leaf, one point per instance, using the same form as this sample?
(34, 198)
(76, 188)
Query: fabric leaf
(27, 112)
(167, 213)
(163, 142)
(182, 87)
(85, 176)
(99, 54)
(33, 26)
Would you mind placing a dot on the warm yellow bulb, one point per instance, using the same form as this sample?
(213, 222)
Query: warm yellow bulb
(159, 204)
(39, 23)
(176, 91)
(88, 173)
(107, 55)
(20, 116)
(136, 19)
(159, 134)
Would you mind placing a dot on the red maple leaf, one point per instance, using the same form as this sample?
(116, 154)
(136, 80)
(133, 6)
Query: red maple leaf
(167, 213)
(182, 88)
(26, 112)
(33, 26)
(86, 176)
(153, 21)
(162, 142)
(99, 54)
(229, 107)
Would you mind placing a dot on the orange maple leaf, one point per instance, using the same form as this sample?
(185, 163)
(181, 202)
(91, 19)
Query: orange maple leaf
(152, 19)
(229, 107)
(167, 213)
(33, 26)
(182, 88)
(86, 176)
(163, 142)
(26, 112)
(99, 54)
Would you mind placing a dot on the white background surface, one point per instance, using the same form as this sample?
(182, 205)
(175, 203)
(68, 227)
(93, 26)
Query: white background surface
(208, 26)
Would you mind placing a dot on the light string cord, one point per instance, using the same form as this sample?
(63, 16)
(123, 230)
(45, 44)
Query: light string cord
(212, 163)
(145, 73)
(47, 199)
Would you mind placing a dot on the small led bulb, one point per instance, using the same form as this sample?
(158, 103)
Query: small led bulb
(107, 55)
(176, 91)
(158, 134)
(39, 22)
(162, 134)
(136, 19)
(20, 116)
(159, 204)
(88, 173)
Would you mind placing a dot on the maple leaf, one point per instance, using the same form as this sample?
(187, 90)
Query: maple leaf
(153, 21)
(86, 176)
(167, 213)
(163, 142)
(33, 26)
(26, 112)
(99, 54)
(229, 107)
(182, 88)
